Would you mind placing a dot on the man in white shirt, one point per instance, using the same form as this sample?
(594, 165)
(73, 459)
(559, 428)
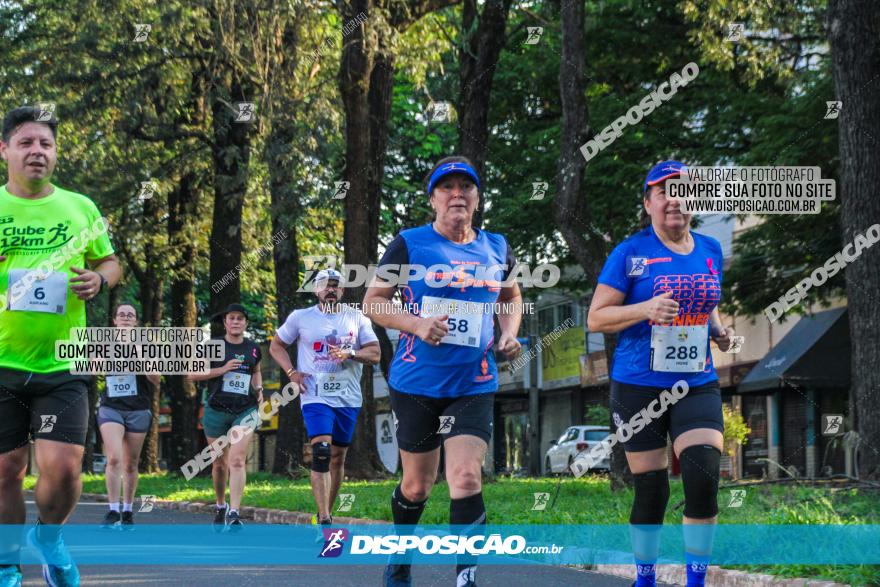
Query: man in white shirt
(333, 341)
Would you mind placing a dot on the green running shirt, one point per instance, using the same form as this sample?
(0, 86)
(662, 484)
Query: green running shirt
(49, 235)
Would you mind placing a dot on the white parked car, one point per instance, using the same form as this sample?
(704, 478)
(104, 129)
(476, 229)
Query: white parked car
(575, 439)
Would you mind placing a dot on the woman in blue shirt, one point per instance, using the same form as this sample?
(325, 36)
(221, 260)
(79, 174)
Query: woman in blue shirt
(660, 290)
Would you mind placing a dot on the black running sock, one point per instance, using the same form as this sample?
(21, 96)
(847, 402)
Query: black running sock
(48, 534)
(467, 511)
(404, 511)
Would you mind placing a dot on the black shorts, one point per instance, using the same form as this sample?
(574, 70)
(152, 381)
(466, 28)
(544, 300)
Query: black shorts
(423, 422)
(50, 406)
(700, 408)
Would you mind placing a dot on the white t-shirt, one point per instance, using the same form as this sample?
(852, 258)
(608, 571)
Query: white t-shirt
(331, 382)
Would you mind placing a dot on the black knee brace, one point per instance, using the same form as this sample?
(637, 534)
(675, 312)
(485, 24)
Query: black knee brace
(321, 457)
(700, 467)
(652, 493)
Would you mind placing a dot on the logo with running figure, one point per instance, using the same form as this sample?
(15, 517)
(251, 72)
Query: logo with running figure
(832, 109)
(535, 33)
(45, 112)
(147, 503)
(446, 423)
(334, 542)
(141, 32)
(831, 424)
(737, 496)
(541, 500)
(341, 190)
(637, 266)
(346, 500)
(244, 112)
(47, 423)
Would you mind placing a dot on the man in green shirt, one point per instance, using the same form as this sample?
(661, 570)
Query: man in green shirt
(55, 255)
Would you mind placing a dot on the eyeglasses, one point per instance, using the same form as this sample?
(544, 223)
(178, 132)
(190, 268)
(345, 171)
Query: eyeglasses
(127, 315)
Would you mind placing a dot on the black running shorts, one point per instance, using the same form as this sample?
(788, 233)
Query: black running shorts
(700, 408)
(50, 406)
(423, 422)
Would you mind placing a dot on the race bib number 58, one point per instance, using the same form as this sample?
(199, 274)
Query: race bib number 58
(465, 319)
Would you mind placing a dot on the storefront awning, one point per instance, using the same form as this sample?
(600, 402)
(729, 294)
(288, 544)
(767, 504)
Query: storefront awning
(816, 353)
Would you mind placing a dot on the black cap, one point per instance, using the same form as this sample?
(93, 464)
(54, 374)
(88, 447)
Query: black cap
(230, 308)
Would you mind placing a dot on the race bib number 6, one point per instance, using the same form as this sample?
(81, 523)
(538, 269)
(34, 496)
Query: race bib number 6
(679, 349)
(40, 295)
(465, 319)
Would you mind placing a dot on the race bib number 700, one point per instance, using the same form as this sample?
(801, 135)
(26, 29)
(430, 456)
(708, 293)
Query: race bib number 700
(121, 385)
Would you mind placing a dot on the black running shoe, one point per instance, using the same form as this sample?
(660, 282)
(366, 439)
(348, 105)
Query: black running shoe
(320, 524)
(111, 520)
(233, 521)
(220, 517)
(398, 576)
(127, 520)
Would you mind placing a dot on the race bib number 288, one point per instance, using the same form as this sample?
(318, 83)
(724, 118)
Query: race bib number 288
(679, 349)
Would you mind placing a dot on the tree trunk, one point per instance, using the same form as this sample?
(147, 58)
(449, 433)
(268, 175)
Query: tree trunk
(366, 76)
(150, 293)
(231, 157)
(359, 57)
(854, 34)
(482, 43)
(285, 217)
(182, 221)
(570, 203)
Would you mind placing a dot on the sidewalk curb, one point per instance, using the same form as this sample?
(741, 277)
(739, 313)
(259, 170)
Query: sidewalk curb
(259, 515)
(672, 574)
(675, 575)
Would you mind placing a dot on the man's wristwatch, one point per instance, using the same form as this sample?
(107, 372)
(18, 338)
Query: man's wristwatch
(103, 283)
(352, 353)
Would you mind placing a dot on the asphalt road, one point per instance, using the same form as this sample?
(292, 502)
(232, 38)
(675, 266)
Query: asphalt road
(267, 575)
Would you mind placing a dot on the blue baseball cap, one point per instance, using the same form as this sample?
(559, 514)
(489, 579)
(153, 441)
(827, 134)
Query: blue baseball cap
(449, 169)
(663, 171)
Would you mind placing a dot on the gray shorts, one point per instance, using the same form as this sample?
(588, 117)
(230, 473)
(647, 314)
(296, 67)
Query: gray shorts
(132, 420)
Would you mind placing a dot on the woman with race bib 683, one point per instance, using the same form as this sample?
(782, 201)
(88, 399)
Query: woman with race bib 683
(660, 290)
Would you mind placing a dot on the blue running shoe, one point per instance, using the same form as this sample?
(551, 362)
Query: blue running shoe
(10, 576)
(59, 569)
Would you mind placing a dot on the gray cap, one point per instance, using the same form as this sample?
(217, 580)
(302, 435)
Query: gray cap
(325, 275)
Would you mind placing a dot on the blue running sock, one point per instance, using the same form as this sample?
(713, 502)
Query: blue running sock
(646, 575)
(697, 566)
